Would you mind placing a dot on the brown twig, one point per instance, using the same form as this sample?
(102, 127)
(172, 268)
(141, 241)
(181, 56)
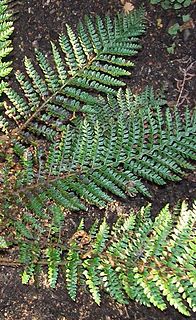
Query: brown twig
(187, 75)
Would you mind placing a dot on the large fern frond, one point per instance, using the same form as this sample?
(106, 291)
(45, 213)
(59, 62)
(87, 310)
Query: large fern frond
(93, 161)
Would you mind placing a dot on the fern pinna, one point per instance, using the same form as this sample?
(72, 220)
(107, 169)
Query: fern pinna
(6, 29)
(136, 258)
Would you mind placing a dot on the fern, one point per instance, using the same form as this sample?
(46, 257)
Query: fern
(92, 159)
(6, 30)
(71, 268)
(29, 253)
(136, 258)
(92, 275)
(72, 137)
(84, 64)
(101, 238)
(53, 255)
(121, 140)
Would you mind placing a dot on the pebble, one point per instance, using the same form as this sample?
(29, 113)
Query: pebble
(186, 34)
(47, 2)
(35, 44)
(52, 11)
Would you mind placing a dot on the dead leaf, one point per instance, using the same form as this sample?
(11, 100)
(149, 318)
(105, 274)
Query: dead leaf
(187, 25)
(171, 103)
(159, 23)
(128, 7)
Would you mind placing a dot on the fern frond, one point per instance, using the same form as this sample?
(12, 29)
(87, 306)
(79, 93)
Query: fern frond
(120, 235)
(87, 148)
(91, 160)
(4, 124)
(136, 258)
(57, 220)
(78, 72)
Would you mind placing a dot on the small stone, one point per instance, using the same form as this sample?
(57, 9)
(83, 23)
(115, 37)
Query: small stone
(35, 44)
(186, 35)
(52, 11)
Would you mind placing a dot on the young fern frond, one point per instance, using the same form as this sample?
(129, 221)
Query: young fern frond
(111, 283)
(136, 258)
(101, 238)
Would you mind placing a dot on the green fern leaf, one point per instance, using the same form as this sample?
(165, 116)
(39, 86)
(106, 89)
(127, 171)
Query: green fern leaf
(73, 262)
(6, 30)
(111, 283)
(93, 277)
(101, 238)
(53, 255)
(79, 66)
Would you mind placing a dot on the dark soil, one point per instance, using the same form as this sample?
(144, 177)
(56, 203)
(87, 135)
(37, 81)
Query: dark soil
(37, 23)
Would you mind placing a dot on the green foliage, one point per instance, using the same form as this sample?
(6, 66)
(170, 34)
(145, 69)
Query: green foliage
(53, 255)
(174, 29)
(175, 4)
(72, 136)
(136, 258)
(171, 49)
(132, 141)
(3, 243)
(110, 145)
(83, 66)
(28, 255)
(6, 29)
(73, 263)
(39, 126)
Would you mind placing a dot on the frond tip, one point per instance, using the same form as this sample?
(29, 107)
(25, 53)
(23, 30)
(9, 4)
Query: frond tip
(84, 65)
